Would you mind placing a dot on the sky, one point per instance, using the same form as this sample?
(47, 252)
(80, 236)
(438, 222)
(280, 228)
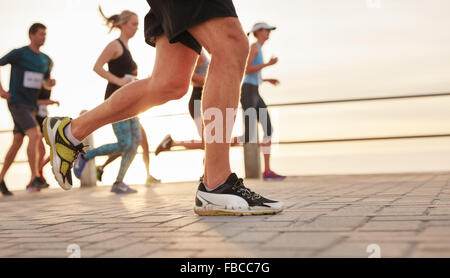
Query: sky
(327, 49)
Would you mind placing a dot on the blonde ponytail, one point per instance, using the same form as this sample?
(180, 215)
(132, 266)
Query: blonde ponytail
(116, 20)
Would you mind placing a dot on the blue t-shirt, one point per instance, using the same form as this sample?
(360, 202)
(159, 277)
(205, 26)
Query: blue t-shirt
(255, 78)
(28, 70)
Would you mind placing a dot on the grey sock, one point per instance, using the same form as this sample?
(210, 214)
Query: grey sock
(69, 136)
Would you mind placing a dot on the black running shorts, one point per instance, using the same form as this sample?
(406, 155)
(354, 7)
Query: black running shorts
(174, 17)
(24, 117)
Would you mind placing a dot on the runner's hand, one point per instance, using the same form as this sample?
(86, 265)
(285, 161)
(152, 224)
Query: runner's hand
(274, 82)
(272, 61)
(124, 81)
(49, 83)
(4, 94)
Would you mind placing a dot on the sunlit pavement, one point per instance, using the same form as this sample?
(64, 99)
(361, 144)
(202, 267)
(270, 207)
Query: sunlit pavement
(404, 215)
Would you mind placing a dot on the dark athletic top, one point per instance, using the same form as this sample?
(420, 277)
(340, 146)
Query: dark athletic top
(43, 94)
(27, 73)
(120, 67)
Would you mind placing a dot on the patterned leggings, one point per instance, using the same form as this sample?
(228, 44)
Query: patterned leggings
(128, 135)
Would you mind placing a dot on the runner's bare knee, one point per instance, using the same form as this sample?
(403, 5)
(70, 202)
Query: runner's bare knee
(232, 52)
(18, 139)
(172, 89)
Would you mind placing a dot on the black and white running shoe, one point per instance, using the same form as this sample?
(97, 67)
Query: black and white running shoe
(165, 145)
(233, 198)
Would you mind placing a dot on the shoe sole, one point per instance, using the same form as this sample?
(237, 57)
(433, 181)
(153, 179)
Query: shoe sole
(274, 179)
(212, 210)
(203, 211)
(123, 193)
(152, 183)
(54, 157)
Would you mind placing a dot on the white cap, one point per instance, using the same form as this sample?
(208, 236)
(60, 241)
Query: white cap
(261, 25)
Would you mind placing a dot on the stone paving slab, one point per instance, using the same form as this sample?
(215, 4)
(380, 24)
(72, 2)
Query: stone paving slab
(405, 215)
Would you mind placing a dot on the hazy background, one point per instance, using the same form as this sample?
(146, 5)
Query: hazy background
(327, 49)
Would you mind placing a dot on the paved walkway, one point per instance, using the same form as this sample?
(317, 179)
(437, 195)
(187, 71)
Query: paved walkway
(404, 215)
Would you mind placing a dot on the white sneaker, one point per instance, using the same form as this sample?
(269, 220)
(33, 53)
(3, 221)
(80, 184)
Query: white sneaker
(165, 145)
(233, 198)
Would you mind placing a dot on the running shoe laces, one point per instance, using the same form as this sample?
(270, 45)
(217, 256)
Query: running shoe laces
(68, 153)
(245, 192)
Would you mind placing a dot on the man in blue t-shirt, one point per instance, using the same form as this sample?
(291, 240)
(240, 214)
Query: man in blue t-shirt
(30, 71)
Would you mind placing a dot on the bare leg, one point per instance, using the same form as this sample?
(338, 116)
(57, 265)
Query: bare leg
(235, 141)
(110, 159)
(189, 145)
(193, 144)
(11, 154)
(173, 69)
(34, 136)
(41, 156)
(265, 148)
(47, 160)
(228, 45)
(197, 144)
(145, 151)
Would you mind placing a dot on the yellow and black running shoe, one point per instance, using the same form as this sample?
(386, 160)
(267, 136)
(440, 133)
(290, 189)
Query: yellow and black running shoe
(62, 152)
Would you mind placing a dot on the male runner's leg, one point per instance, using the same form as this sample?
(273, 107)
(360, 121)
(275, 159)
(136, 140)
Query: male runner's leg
(221, 191)
(9, 159)
(225, 39)
(170, 80)
(11, 154)
(172, 71)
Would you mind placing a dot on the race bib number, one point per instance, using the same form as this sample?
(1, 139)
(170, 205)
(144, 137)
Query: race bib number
(42, 111)
(33, 80)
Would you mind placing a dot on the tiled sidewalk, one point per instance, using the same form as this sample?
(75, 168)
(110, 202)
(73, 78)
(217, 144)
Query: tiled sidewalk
(404, 215)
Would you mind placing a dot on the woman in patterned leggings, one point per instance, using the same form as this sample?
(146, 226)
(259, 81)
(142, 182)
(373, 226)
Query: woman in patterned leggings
(121, 72)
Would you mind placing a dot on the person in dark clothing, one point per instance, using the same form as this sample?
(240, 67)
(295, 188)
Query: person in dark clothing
(29, 68)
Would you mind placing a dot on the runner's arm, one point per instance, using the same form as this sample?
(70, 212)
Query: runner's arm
(3, 94)
(9, 58)
(47, 102)
(252, 69)
(110, 52)
(49, 82)
(272, 81)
